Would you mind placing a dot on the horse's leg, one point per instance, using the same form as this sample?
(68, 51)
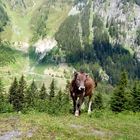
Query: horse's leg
(74, 98)
(78, 105)
(89, 104)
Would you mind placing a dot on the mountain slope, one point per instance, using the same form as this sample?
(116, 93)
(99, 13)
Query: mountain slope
(100, 37)
(33, 19)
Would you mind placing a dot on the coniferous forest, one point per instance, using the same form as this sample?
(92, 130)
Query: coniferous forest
(25, 97)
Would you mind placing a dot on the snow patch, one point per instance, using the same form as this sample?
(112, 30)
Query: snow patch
(45, 45)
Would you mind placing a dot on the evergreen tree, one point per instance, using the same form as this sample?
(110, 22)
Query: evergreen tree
(13, 92)
(59, 104)
(98, 101)
(52, 90)
(31, 95)
(43, 93)
(21, 91)
(2, 100)
(59, 98)
(1, 91)
(5, 106)
(124, 80)
(136, 97)
(119, 99)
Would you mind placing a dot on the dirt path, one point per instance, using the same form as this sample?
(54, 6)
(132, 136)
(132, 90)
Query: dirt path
(12, 128)
(11, 135)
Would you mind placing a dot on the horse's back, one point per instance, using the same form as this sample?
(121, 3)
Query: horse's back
(90, 85)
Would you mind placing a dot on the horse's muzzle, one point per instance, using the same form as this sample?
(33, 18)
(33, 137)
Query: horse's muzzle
(81, 88)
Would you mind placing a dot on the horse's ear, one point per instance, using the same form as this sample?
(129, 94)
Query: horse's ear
(75, 74)
(86, 75)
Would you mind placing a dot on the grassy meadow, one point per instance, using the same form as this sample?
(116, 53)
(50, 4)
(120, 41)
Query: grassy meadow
(100, 125)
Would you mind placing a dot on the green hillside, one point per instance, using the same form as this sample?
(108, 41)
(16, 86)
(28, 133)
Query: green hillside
(29, 19)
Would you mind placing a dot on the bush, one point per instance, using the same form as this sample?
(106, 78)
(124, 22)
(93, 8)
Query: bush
(136, 97)
(119, 99)
(98, 101)
(59, 104)
(6, 107)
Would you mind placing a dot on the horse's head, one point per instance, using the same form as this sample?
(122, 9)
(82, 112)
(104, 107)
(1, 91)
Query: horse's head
(80, 79)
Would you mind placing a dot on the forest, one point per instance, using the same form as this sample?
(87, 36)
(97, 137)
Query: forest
(24, 98)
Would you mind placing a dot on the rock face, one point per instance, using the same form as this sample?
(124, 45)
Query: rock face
(43, 46)
(127, 17)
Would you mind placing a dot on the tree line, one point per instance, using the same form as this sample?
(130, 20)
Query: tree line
(126, 97)
(24, 98)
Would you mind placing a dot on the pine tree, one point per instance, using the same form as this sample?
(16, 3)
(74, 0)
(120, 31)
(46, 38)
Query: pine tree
(1, 91)
(119, 100)
(31, 95)
(136, 97)
(43, 93)
(13, 92)
(98, 101)
(66, 92)
(123, 80)
(59, 98)
(52, 90)
(2, 99)
(21, 92)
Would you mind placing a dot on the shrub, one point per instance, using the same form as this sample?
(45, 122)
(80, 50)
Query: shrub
(119, 100)
(98, 101)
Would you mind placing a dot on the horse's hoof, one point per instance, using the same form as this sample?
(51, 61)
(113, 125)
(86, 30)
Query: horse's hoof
(89, 112)
(77, 113)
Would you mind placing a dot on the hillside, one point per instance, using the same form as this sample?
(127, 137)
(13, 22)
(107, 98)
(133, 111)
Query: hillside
(100, 37)
(31, 19)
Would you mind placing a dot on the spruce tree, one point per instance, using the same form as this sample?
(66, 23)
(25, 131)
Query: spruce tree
(66, 92)
(31, 95)
(1, 91)
(119, 100)
(2, 99)
(43, 93)
(52, 90)
(98, 101)
(136, 97)
(13, 95)
(59, 97)
(21, 92)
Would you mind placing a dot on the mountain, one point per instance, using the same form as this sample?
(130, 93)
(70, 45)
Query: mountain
(101, 37)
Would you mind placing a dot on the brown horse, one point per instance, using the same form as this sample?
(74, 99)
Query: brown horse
(81, 86)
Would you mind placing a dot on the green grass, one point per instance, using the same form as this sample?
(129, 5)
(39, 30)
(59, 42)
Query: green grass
(19, 30)
(99, 125)
(22, 66)
(16, 69)
(20, 20)
(55, 18)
